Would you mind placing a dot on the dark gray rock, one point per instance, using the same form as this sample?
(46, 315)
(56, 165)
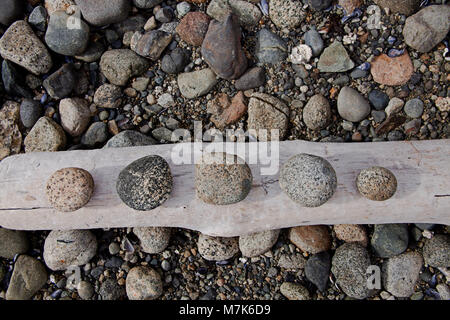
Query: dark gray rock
(111, 290)
(270, 48)
(317, 269)
(253, 78)
(389, 240)
(38, 18)
(92, 53)
(314, 40)
(425, 226)
(175, 61)
(164, 15)
(63, 38)
(13, 80)
(62, 82)
(145, 183)
(319, 4)
(227, 61)
(30, 112)
(378, 99)
(96, 134)
(11, 10)
(129, 138)
(378, 116)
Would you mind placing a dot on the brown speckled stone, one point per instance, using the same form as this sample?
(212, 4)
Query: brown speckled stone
(143, 283)
(376, 183)
(351, 233)
(222, 179)
(312, 239)
(217, 248)
(69, 189)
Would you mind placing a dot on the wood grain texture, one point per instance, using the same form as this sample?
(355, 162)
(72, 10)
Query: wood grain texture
(422, 169)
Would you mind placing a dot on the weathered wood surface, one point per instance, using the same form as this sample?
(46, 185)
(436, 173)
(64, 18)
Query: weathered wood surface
(422, 169)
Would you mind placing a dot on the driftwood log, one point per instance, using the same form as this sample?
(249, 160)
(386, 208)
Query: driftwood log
(422, 169)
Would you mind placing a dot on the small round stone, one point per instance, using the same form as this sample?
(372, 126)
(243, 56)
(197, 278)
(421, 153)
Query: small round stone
(85, 290)
(436, 251)
(145, 183)
(153, 239)
(143, 283)
(217, 248)
(312, 239)
(308, 180)
(255, 244)
(376, 183)
(317, 112)
(69, 189)
(222, 178)
(414, 108)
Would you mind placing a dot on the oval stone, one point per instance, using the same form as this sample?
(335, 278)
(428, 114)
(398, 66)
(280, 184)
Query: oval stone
(217, 248)
(222, 178)
(69, 189)
(376, 183)
(145, 183)
(143, 283)
(308, 180)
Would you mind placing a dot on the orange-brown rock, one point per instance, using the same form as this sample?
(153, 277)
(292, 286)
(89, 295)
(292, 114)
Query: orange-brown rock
(225, 111)
(193, 27)
(312, 239)
(392, 71)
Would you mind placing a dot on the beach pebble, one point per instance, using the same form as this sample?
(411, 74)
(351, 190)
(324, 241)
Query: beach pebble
(217, 248)
(352, 106)
(143, 283)
(12, 242)
(46, 135)
(312, 239)
(75, 115)
(153, 239)
(317, 112)
(351, 233)
(376, 183)
(389, 240)
(294, 291)
(436, 251)
(63, 249)
(28, 277)
(308, 180)
(146, 183)
(222, 179)
(258, 243)
(69, 189)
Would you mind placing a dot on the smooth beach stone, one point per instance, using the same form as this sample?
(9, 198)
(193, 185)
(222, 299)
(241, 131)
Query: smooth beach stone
(308, 180)
(217, 248)
(258, 243)
(69, 189)
(376, 183)
(222, 178)
(143, 283)
(145, 183)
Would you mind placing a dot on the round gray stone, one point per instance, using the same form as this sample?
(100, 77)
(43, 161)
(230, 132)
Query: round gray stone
(30, 112)
(63, 249)
(308, 180)
(414, 108)
(217, 248)
(222, 178)
(153, 239)
(258, 243)
(129, 138)
(349, 265)
(145, 183)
